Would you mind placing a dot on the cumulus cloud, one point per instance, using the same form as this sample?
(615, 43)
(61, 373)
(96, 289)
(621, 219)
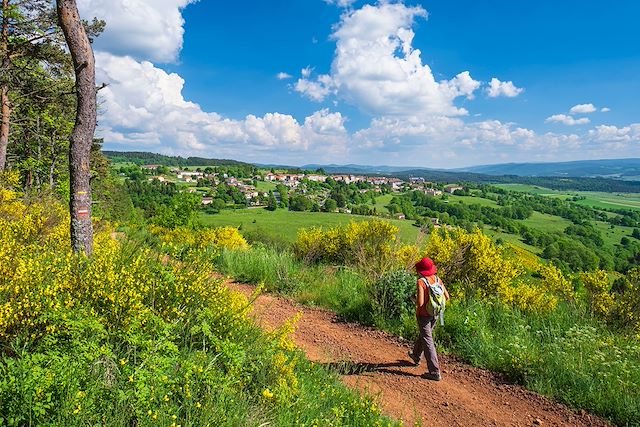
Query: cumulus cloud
(605, 110)
(583, 109)
(144, 29)
(283, 76)
(610, 133)
(498, 88)
(144, 106)
(567, 120)
(376, 68)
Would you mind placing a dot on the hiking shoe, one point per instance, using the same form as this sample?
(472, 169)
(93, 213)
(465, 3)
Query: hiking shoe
(414, 359)
(430, 376)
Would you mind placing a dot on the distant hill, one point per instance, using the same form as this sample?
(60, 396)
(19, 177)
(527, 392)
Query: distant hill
(359, 169)
(628, 169)
(143, 158)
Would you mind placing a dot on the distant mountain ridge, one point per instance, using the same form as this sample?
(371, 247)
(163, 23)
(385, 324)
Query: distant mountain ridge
(628, 169)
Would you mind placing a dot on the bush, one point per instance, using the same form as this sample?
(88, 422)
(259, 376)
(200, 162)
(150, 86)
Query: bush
(366, 244)
(391, 295)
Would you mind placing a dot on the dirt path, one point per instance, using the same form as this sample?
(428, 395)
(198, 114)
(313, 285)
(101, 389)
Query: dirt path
(376, 362)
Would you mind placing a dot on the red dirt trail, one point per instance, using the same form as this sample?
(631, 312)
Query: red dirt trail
(377, 363)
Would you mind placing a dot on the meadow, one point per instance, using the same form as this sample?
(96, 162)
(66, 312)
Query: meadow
(284, 225)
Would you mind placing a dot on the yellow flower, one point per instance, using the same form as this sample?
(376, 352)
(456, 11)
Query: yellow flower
(267, 393)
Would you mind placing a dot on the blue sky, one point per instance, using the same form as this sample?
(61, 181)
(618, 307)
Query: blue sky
(401, 83)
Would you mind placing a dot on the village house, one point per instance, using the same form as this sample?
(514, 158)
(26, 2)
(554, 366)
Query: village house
(158, 178)
(316, 178)
(452, 188)
(396, 184)
(150, 167)
(207, 200)
(432, 192)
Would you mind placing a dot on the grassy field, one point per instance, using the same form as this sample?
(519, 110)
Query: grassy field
(598, 200)
(511, 238)
(628, 201)
(382, 201)
(533, 189)
(285, 224)
(265, 186)
(546, 222)
(472, 200)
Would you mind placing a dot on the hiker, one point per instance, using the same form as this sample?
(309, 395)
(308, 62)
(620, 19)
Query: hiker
(428, 285)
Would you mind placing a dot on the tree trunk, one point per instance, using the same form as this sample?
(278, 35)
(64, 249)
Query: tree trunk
(4, 89)
(84, 128)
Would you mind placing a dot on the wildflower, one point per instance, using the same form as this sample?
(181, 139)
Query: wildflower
(267, 393)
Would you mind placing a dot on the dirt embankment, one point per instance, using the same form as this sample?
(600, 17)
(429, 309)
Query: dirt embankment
(376, 362)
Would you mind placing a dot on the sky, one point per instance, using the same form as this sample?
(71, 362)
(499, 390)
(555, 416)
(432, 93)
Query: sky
(440, 84)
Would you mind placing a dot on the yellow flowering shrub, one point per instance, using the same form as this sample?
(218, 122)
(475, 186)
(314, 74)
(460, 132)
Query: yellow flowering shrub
(598, 291)
(475, 265)
(473, 261)
(554, 281)
(366, 243)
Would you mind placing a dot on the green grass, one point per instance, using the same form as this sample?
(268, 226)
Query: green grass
(472, 200)
(511, 238)
(283, 225)
(563, 354)
(546, 222)
(630, 201)
(612, 236)
(382, 202)
(265, 186)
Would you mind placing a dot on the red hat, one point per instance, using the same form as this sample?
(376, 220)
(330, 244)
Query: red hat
(426, 267)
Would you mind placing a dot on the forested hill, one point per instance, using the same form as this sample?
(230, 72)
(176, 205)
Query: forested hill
(143, 158)
(628, 169)
(555, 183)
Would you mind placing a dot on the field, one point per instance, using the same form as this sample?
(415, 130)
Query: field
(285, 224)
(546, 222)
(472, 200)
(382, 202)
(597, 200)
(630, 201)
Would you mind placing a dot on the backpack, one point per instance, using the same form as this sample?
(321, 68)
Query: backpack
(437, 301)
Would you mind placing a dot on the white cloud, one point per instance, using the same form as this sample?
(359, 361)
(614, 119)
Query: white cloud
(610, 133)
(143, 106)
(498, 88)
(144, 29)
(306, 72)
(582, 109)
(283, 76)
(340, 3)
(377, 69)
(315, 90)
(567, 120)
(605, 109)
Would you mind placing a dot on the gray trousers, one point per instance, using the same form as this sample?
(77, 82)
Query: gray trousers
(424, 343)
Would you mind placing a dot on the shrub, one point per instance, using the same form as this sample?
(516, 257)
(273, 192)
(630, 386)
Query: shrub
(366, 244)
(391, 295)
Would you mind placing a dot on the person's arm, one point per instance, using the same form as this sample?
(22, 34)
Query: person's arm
(420, 294)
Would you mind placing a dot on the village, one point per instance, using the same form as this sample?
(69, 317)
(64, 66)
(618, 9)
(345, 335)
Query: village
(257, 188)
